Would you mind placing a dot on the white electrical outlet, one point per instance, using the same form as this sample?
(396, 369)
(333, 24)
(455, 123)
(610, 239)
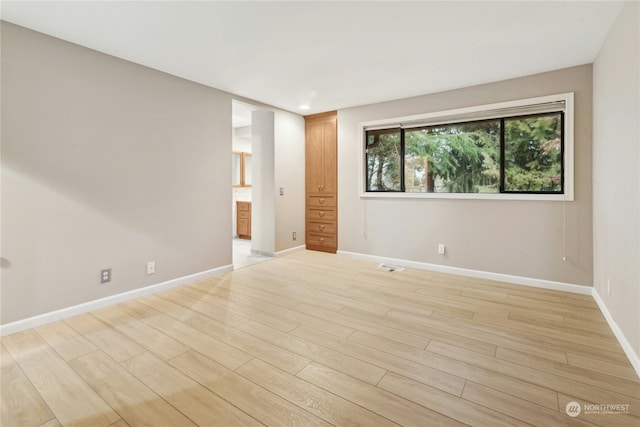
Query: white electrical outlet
(151, 267)
(609, 286)
(105, 276)
(441, 248)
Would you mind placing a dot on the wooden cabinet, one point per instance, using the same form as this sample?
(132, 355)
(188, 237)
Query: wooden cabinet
(321, 153)
(321, 166)
(243, 219)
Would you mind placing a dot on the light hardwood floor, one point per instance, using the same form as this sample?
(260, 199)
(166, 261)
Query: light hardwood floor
(316, 339)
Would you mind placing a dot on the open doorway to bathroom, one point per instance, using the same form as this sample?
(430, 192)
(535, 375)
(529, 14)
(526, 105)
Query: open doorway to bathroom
(242, 183)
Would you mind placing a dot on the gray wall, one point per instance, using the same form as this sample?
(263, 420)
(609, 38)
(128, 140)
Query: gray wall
(105, 164)
(278, 161)
(263, 190)
(289, 173)
(522, 238)
(616, 178)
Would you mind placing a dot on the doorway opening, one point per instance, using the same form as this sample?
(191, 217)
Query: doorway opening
(242, 184)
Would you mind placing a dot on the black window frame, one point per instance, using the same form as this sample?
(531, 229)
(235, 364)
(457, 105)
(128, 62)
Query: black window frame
(502, 156)
(366, 159)
(501, 184)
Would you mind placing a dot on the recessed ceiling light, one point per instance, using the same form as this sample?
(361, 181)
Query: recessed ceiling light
(304, 107)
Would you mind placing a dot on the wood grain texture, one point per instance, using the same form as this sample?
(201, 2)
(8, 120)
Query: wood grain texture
(452, 406)
(312, 339)
(378, 400)
(434, 377)
(517, 408)
(63, 339)
(21, 403)
(54, 423)
(158, 343)
(328, 406)
(132, 399)
(71, 400)
(188, 396)
(215, 349)
(106, 338)
(260, 403)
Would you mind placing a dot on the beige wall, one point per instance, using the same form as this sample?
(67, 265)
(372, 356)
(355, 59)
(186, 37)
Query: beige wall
(263, 189)
(616, 178)
(522, 238)
(289, 173)
(105, 164)
(278, 156)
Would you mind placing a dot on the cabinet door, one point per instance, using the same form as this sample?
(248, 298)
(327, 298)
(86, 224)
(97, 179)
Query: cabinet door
(243, 227)
(243, 219)
(314, 164)
(321, 155)
(330, 157)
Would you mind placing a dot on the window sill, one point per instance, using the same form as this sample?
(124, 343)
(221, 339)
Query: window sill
(470, 196)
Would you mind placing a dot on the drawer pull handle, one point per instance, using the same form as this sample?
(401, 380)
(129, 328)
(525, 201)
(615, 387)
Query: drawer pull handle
(321, 227)
(321, 201)
(322, 240)
(321, 214)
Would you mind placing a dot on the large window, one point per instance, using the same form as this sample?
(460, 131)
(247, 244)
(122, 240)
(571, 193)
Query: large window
(518, 150)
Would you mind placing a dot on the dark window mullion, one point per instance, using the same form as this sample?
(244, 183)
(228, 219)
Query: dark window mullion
(502, 151)
(402, 151)
(366, 161)
(562, 152)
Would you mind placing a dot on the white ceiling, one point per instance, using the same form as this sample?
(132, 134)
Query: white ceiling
(331, 55)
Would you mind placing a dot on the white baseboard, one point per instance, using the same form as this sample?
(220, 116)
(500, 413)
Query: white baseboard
(290, 250)
(626, 346)
(499, 277)
(279, 253)
(41, 319)
(263, 253)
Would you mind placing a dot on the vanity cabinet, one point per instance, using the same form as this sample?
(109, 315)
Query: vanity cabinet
(243, 219)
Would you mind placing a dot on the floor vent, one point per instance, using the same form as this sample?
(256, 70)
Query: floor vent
(389, 267)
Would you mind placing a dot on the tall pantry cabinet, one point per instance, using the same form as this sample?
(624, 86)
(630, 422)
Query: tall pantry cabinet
(321, 170)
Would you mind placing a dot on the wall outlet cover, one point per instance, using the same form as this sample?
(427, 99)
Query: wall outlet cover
(105, 275)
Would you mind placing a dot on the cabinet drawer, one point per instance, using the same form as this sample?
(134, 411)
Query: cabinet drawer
(329, 240)
(321, 201)
(326, 214)
(320, 227)
(244, 206)
(244, 214)
(244, 228)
